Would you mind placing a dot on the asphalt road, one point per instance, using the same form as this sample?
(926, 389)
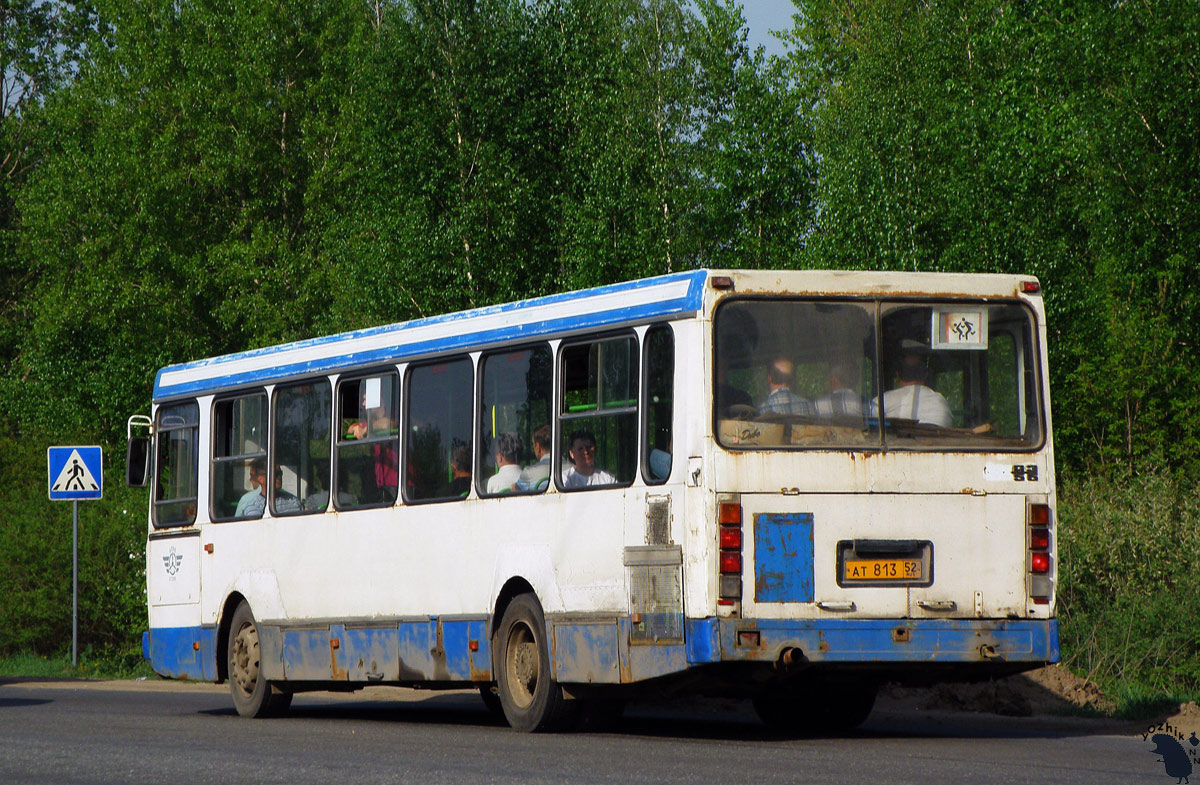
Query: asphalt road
(166, 732)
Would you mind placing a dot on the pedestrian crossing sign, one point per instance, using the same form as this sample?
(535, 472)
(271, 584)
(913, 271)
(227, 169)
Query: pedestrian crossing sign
(75, 473)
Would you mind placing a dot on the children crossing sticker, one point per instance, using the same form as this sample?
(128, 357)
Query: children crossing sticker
(75, 473)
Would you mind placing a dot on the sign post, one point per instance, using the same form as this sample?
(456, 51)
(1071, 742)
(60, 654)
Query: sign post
(75, 474)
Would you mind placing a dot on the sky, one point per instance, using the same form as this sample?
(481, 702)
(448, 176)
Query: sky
(762, 16)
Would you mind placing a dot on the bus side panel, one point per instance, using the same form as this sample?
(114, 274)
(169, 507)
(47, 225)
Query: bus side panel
(406, 651)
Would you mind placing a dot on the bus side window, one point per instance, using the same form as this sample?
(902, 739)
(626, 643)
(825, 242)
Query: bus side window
(438, 419)
(239, 454)
(598, 413)
(514, 427)
(658, 404)
(368, 442)
(177, 465)
(299, 476)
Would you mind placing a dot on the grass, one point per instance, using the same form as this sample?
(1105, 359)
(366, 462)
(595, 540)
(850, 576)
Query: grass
(92, 665)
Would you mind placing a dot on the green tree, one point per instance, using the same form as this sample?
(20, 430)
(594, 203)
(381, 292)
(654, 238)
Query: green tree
(1027, 137)
(39, 44)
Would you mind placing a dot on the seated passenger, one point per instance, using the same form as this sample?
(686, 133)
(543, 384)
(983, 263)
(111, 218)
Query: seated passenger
(284, 500)
(912, 399)
(507, 450)
(460, 469)
(781, 400)
(843, 399)
(583, 472)
(254, 501)
(534, 475)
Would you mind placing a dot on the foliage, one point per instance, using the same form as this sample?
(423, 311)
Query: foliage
(1127, 553)
(35, 551)
(1029, 137)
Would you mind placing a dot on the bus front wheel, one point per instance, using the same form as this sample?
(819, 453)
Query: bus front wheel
(532, 700)
(253, 696)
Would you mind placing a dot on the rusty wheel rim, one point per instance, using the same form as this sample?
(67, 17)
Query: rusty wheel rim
(244, 659)
(522, 666)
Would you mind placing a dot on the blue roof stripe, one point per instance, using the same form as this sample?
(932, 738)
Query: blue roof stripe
(397, 342)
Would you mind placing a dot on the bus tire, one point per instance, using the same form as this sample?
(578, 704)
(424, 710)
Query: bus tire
(253, 696)
(532, 700)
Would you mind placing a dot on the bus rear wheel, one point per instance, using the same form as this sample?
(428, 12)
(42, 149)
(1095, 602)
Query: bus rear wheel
(253, 696)
(532, 700)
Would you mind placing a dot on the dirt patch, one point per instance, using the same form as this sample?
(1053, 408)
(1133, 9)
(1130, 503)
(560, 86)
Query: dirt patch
(1051, 690)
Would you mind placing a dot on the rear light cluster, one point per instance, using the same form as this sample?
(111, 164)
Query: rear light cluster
(1040, 584)
(729, 538)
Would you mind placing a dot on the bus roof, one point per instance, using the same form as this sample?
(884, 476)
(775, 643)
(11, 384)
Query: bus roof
(633, 302)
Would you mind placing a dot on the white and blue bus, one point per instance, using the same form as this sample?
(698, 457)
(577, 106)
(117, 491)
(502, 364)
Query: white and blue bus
(788, 486)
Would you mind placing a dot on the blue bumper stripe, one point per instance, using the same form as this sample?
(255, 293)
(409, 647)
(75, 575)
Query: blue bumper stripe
(875, 640)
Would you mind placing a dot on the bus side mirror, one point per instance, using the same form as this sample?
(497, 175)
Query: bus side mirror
(137, 452)
(137, 462)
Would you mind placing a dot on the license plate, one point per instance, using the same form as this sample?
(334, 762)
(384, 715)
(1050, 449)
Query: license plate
(887, 570)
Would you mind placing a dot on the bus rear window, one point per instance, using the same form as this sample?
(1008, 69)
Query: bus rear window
(876, 375)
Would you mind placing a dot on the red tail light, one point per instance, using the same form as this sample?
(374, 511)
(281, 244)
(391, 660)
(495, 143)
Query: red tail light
(1041, 585)
(731, 563)
(729, 559)
(1039, 563)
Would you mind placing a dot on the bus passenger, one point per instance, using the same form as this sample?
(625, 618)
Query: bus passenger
(781, 375)
(582, 449)
(535, 475)
(460, 470)
(912, 399)
(254, 501)
(507, 450)
(843, 399)
(285, 501)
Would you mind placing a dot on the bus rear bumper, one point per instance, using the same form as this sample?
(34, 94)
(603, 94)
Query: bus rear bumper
(862, 641)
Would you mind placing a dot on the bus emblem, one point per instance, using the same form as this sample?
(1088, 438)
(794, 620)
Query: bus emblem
(172, 561)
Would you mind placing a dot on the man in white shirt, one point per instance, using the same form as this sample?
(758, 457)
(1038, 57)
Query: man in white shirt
(534, 476)
(913, 399)
(507, 449)
(582, 449)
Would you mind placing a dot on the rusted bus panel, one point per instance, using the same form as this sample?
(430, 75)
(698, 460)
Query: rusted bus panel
(308, 655)
(871, 471)
(840, 283)
(270, 652)
(894, 641)
(465, 649)
(415, 644)
(783, 557)
(648, 662)
(182, 652)
(587, 653)
(371, 654)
